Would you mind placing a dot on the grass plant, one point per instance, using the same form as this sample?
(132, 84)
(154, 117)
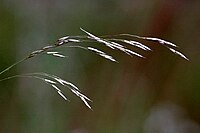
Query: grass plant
(114, 42)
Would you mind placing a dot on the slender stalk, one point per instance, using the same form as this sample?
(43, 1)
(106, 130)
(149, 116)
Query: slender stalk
(25, 58)
(21, 76)
(16, 63)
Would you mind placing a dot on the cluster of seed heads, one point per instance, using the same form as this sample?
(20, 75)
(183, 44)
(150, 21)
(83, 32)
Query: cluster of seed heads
(113, 42)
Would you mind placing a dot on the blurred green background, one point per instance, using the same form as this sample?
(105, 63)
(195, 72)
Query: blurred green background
(159, 94)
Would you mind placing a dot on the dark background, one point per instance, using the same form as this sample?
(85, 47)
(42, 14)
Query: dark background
(159, 94)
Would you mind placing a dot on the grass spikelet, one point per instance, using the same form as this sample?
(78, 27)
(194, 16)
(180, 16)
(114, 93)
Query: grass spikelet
(161, 41)
(54, 86)
(178, 53)
(49, 81)
(112, 45)
(60, 92)
(62, 95)
(86, 103)
(56, 54)
(91, 36)
(138, 44)
(165, 43)
(74, 89)
(103, 54)
(96, 51)
(134, 53)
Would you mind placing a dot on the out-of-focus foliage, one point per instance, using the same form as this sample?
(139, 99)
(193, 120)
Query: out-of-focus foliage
(158, 94)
